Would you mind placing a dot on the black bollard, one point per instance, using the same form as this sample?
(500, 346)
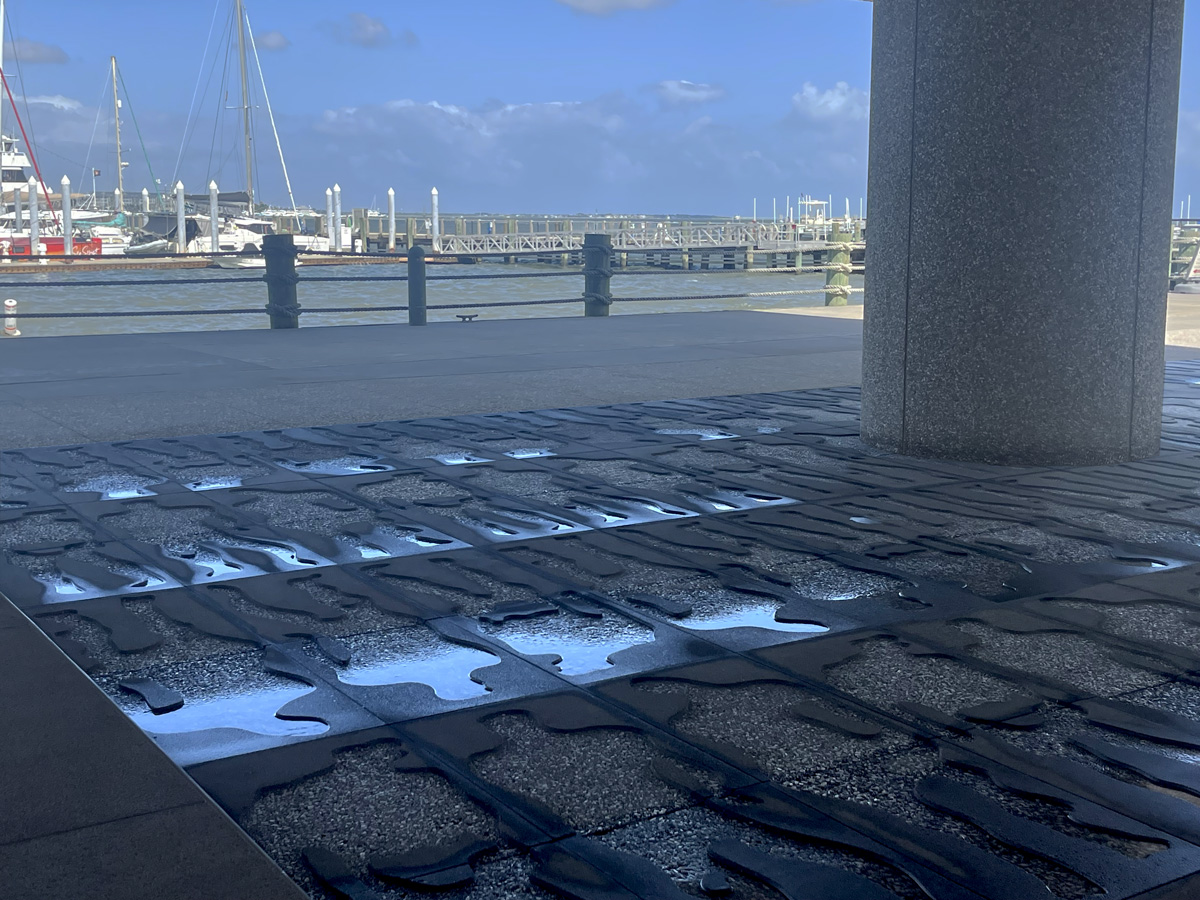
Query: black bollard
(416, 286)
(279, 251)
(597, 274)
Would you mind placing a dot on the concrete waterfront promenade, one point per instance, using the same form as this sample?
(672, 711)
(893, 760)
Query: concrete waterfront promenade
(99, 811)
(64, 390)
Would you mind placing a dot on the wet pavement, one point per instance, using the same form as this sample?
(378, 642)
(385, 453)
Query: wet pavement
(685, 648)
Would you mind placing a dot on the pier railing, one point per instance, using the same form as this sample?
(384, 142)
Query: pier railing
(284, 309)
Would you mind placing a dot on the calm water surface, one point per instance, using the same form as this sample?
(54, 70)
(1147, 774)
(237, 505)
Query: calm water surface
(52, 294)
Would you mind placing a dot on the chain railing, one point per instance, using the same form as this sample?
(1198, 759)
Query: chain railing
(284, 309)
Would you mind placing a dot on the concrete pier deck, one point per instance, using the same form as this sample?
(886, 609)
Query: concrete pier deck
(62, 390)
(997, 566)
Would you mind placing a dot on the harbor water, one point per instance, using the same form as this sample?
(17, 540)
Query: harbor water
(129, 291)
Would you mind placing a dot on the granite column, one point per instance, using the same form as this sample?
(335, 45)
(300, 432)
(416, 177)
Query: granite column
(1021, 165)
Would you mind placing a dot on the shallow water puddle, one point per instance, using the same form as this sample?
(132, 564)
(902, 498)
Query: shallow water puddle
(253, 711)
(444, 666)
(748, 615)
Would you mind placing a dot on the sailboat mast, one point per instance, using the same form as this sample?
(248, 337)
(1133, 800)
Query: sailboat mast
(2, 23)
(241, 14)
(117, 120)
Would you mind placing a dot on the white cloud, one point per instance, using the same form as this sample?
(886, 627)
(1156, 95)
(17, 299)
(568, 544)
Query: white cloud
(272, 40)
(615, 152)
(366, 31)
(608, 7)
(57, 101)
(838, 102)
(681, 92)
(32, 52)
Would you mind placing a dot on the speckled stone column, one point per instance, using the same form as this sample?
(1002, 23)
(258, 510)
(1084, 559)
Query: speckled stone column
(1022, 159)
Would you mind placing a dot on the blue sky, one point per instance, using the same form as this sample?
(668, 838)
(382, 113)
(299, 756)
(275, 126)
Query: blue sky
(667, 106)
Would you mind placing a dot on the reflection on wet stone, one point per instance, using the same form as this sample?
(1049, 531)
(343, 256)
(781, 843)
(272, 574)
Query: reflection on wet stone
(413, 655)
(229, 691)
(584, 644)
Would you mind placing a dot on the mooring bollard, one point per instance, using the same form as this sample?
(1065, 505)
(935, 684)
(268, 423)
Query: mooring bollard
(279, 251)
(597, 274)
(837, 280)
(416, 286)
(10, 318)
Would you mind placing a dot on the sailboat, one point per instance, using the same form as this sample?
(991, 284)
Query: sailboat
(244, 234)
(18, 234)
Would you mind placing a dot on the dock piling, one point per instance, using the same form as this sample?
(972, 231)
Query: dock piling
(337, 218)
(597, 274)
(283, 306)
(437, 233)
(180, 219)
(837, 280)
(214, 220)
(391, 244)
(68, 238)
(416, 286)
(329, 218)
(10, 318)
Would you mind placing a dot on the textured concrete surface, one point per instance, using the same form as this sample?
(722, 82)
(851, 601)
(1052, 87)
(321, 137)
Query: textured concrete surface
(544, 752)
(76, 389)
(1021, 168)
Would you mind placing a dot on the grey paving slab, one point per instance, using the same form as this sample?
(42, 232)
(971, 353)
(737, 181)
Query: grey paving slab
(188, 853)
(10, 616)
(123, 387)
(64, 358)
(1175, 353)
(17, 421)
(164, 414)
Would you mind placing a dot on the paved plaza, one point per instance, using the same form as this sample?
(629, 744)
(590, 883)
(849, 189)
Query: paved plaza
(680, 647)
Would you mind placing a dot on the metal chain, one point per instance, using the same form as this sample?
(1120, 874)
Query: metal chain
(257, 279)
(843, 268)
